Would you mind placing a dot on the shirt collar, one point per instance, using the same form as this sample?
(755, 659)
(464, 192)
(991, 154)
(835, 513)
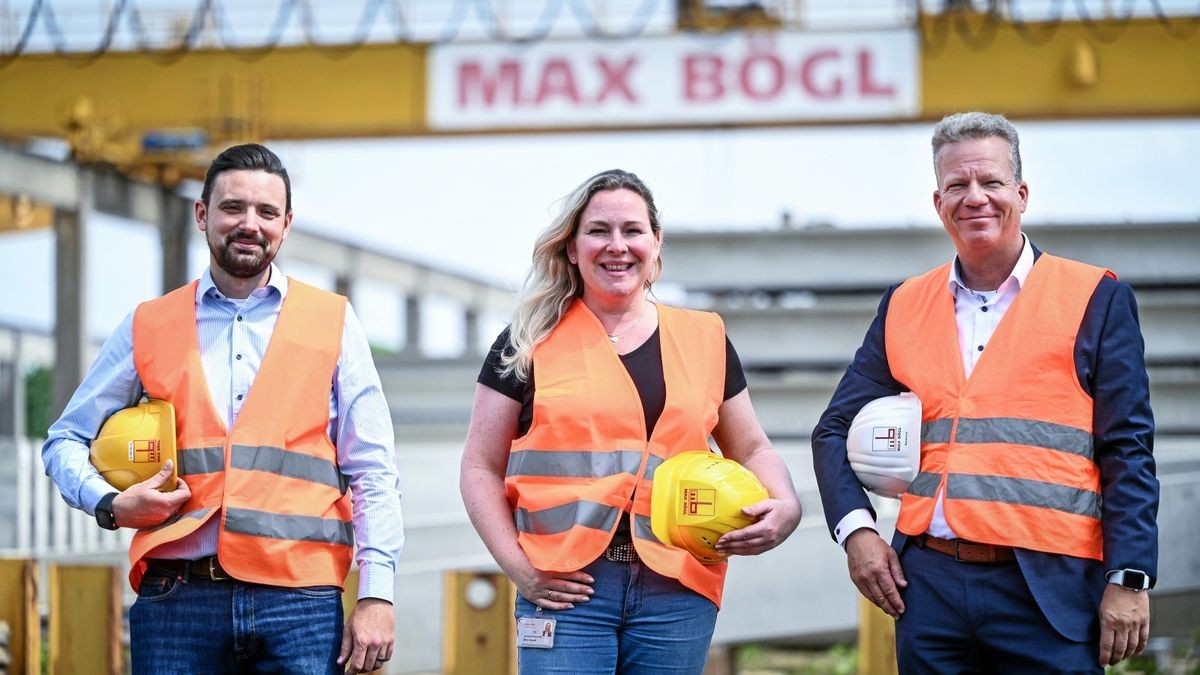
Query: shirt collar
(207, 287)
(1018, 274)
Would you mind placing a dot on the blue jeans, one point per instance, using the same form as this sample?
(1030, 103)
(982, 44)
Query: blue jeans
(637, 621)
(198, 626)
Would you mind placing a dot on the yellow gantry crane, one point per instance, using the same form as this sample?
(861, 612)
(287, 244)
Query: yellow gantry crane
(159, 114)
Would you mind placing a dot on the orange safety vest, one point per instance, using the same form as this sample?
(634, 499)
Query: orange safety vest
(1011, 446)
(586, 459)
(273, 479)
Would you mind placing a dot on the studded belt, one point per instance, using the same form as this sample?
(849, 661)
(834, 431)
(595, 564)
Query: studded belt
(622, 553)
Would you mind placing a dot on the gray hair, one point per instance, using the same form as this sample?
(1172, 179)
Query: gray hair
(553, 282)
(970, 125)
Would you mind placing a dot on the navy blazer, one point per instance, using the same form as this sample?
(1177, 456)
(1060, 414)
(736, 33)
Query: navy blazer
(1110, 364)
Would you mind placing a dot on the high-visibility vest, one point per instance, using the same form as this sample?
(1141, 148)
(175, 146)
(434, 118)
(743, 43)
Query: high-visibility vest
(1011, 446)
(273, 480)
(586, 459)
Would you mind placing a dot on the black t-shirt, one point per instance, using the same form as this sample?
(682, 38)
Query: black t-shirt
(644, 365)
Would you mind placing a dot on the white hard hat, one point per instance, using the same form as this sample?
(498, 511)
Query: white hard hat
(884, 444)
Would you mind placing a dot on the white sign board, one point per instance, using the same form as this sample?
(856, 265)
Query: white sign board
(681, 79)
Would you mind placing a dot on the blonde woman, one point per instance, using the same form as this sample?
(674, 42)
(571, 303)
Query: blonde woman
(591, 387)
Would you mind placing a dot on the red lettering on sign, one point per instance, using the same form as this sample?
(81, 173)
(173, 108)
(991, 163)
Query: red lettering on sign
(557, 80)
(615, 78)
(866, 86)
(832, 87)
(702, 77)
(770, 70)
(476, 85)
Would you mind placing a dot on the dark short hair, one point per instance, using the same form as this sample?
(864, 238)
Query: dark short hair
(246, 157)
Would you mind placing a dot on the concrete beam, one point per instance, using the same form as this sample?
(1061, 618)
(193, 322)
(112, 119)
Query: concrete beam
(830, 329)
(832, 260)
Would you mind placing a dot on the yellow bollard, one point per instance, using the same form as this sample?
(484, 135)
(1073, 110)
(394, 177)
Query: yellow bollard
(18, 607)
(876, 640)
(85, 620)
(480, 631)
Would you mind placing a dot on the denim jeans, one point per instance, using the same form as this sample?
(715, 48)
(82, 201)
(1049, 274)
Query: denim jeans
(197, 626)
(637, 622)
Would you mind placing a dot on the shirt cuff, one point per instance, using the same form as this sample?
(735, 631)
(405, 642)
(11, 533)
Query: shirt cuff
(92, 491)
(855, 520)
(376, 581)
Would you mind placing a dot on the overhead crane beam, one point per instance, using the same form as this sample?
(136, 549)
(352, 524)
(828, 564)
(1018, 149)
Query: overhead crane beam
(1110, 68)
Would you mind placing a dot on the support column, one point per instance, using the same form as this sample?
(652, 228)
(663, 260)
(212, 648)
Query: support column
(412, 324)
(70, 325)
(471, 331)
(175, 223)
(344, 285)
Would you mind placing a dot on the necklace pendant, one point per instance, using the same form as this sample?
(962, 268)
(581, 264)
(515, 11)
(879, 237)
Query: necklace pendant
(614, 338)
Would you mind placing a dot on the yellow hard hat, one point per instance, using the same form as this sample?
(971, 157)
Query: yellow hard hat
(133, 444)
(697, 497)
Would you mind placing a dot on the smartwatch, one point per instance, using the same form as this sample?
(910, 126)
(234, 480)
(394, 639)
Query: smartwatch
(104, 514)
(1134, 580)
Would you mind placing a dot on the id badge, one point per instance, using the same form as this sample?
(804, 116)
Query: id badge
(535, 631)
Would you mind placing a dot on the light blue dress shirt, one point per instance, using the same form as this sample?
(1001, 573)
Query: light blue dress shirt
(233, 337)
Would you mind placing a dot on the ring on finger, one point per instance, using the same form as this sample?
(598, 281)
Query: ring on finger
(550, 595)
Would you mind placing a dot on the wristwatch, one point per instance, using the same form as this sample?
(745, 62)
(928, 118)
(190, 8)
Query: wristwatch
(104, 514)
(1134, 580)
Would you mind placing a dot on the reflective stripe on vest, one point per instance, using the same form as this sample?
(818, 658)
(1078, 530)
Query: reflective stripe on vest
(1014, 455)
(586, 459)
(273, 479)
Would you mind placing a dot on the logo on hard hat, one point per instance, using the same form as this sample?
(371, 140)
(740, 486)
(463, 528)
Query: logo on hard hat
(699, 502)
(886, 439)
(147, 451)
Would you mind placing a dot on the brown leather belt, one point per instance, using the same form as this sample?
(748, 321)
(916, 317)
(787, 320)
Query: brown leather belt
(966, 551)
(208, 568)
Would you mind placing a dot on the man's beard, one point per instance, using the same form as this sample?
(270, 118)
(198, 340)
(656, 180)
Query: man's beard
(239, 264)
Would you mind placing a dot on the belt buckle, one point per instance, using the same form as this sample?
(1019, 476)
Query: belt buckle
(957, 558)
(213, 572)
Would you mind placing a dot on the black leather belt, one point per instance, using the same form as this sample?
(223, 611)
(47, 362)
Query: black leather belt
(208, 568)
(966, 551)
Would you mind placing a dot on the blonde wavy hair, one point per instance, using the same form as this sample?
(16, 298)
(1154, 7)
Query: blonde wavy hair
(552, 281)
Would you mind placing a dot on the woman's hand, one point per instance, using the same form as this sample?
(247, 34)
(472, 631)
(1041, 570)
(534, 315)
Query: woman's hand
(555, 590)
(777, 518)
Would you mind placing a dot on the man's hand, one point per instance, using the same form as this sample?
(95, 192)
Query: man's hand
(142, 505)
(369, 636)
(875, 570)
(1124, 624)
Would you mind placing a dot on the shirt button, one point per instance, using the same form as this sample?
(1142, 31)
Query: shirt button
(983, 309)
(240, 396)
(239, 317)
(980, 349)
(239, 357)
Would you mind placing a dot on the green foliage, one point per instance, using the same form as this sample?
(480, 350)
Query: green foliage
(39, 401)
(756, 659)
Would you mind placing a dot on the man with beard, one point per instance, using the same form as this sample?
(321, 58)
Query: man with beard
(285, 455)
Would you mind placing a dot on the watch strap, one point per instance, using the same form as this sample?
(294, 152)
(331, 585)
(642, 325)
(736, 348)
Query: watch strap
(104, 514)
(1134, 580)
